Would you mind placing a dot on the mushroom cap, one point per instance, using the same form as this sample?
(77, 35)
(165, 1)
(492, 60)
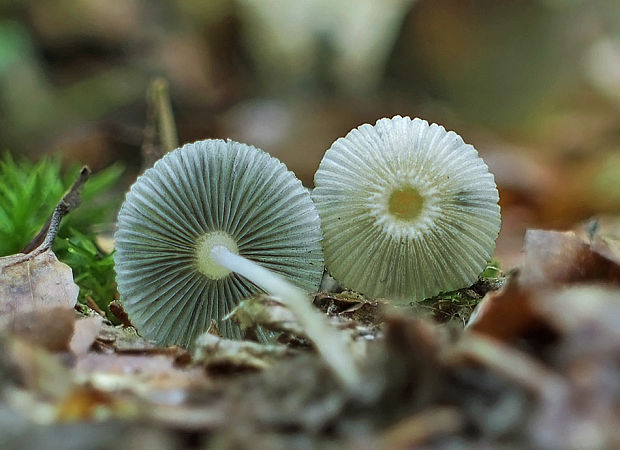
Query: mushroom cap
(210, 188)
(407, 210)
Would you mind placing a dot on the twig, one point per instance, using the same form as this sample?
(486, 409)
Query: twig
(72, 198)
(160, 134)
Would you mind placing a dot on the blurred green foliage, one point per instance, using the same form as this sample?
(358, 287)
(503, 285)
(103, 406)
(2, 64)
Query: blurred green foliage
(93, 269)
(29, 192)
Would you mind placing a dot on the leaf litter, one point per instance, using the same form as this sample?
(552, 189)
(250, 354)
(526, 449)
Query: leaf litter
(35, 280)
(537, 366)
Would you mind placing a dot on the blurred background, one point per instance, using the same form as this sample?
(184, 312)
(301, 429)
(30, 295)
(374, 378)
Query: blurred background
(534, 85)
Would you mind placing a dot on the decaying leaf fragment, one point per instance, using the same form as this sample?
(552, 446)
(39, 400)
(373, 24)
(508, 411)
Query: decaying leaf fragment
(563, 257)
(50, 328)
(588, 357)
(358, 319)
(85, 332)
(227, 355)
(351, 306)
(265, 311)
(505, 314)
(557, 321)
(553, 260)
(40, 282)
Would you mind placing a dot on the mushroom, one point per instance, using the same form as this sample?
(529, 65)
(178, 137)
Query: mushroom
(407, 210)
(212, 223)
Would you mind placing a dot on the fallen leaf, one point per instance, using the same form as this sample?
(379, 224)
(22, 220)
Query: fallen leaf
(117, 309)
(221, 355)
(154, 377)
(34, 283)
(409, 374)
(92, 305)
(563, 257)
(85, 332)
(553, 260)
(351, 306)
(506, 314)
(586, 415)
(50, 328)
(265, 311)
(40, 371)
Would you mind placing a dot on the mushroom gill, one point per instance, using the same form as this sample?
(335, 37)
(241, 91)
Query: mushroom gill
(207, 195)
(210, 224)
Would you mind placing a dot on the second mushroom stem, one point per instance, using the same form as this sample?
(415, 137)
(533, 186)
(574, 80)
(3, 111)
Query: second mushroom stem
(328, 341)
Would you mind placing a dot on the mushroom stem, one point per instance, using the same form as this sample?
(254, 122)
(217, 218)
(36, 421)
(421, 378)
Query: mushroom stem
(327, 341)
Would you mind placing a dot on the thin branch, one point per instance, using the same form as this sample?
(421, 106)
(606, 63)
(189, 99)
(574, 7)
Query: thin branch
(71, 200)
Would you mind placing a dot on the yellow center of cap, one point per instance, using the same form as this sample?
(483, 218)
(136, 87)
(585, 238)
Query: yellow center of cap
(405, 203)
(204, 261)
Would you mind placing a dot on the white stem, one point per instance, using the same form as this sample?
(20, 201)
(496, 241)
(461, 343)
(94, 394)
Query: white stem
(329, 343)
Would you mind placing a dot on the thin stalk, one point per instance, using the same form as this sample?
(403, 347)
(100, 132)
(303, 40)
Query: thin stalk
(160, 133)
(165, 118)
(328, 342)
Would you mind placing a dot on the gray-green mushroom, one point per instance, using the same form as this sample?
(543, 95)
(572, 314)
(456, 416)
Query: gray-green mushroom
(207, 195)
(210, 224)
(407, 209)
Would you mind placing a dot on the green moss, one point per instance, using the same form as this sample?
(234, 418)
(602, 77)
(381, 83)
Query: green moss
(93, 269)
(457, 306)
(29, 192)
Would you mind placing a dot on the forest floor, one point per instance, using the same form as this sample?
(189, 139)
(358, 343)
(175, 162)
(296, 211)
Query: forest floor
(536, 365)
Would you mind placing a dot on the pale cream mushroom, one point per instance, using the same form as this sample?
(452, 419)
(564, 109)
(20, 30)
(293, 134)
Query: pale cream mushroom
(407, 210)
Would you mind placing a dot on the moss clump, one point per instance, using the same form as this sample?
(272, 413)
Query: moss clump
(457, 306)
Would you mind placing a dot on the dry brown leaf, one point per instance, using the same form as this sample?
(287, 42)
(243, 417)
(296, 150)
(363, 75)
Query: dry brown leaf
(562, 257)
(591, 310)
(40, 371)
(267, 312)
(86, 331)
(553, 260)
(351, 306)
(117, 309)
(33, 284)
(604, 234)
(506, 314)
(573, 368)
(588, 358)
(120, 339)
(92, 305)
(414, 338)
(50, 328)
(410, 370)
(220, 355)
(149, 375)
